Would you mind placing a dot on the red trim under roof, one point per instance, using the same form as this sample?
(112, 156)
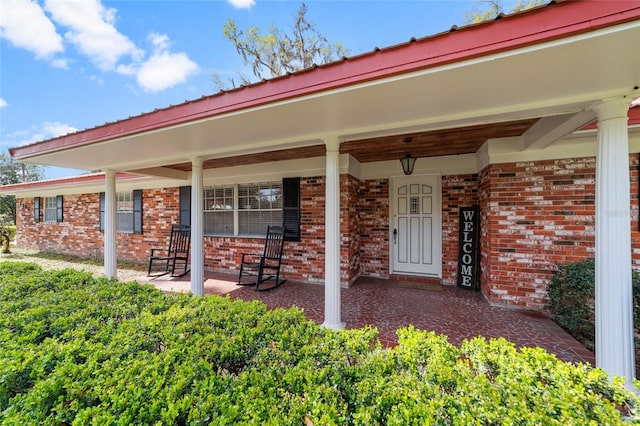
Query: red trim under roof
(544, 24)
(634, 119)
(72, 180)
(634, 115)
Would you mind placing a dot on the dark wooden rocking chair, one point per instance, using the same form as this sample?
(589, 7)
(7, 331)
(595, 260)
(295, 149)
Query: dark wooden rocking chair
(267, 266)
(175, 258)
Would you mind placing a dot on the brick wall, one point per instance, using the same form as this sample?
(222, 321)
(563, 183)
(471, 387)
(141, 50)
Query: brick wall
(79, 233)
(457, 191)
(634, 164)
(364, 223)
(349, 229)
(374, 227)
(536, 215)
(484, 198)
(301, 261)
(304, 260)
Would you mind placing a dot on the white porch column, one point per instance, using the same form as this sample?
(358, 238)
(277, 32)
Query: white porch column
(614, 310)
(110, 252)
(197, 228)
(332, 237)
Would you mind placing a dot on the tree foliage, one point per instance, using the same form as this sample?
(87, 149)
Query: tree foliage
(486, 10)
(7, 233)
(276, 53)
(13, 172)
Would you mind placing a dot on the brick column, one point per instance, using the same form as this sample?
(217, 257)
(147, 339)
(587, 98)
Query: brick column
(332, 237)
(614, 309)
(110, 252)
(197, 228)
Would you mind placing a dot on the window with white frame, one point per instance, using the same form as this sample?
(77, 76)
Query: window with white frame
(50, 209)
(219, 210)
(124, 211)
(128, 211)
(244, 209)
(259, 205)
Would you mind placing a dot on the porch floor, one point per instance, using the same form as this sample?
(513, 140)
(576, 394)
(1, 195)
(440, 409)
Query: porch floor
(458, 313)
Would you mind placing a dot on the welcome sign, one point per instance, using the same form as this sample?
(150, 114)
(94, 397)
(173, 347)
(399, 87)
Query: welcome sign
(468, 247)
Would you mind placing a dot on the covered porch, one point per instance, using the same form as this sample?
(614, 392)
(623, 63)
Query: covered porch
(386, 305)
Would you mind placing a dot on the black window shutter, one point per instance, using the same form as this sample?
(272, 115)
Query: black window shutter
(291, 209)
(137, 211)
(185, 205)
(102, 212)
(36, 209)
(59, 208)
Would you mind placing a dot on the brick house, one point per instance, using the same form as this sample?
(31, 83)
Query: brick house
(525, 117)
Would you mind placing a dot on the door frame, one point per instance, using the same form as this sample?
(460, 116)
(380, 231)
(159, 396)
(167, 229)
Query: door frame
(437, 224)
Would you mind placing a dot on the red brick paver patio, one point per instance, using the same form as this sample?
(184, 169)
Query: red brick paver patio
(458, 313)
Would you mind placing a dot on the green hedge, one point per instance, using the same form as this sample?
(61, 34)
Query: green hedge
(84, 351)
(572, 299)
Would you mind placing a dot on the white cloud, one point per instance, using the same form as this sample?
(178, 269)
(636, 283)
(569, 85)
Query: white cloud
(43, 131)
(3, 103)
(91, 29)
(25, 25)
(55, 128)
(128, 69)
(164, 69)
(160, 41)
(242, 4)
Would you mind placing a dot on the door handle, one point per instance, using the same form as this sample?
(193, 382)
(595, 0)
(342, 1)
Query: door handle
(395, 235)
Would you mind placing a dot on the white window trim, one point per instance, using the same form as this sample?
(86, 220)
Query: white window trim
(50, 208)
(236, 207)
(128, 210)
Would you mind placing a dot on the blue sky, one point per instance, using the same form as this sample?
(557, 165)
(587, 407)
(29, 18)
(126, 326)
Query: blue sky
(74, 64)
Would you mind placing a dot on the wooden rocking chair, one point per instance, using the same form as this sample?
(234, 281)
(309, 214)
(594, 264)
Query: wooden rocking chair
(175, 258)
(267, 266)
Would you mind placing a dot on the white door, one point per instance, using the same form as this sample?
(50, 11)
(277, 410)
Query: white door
(416, 230)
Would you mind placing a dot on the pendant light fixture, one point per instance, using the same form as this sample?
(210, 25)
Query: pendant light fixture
(407, 161)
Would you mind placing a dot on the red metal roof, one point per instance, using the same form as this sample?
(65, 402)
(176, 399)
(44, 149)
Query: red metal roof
(634, 119)
(555, 21)
(72, 180)
(634, 115)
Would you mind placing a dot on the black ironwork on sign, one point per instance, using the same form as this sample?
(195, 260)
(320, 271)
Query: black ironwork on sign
(468, 247)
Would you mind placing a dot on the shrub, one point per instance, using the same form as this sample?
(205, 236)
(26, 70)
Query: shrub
(572, 300)
(79, 350)
(7, 233)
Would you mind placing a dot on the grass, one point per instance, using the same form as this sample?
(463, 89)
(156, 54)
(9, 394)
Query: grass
(25, 255)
